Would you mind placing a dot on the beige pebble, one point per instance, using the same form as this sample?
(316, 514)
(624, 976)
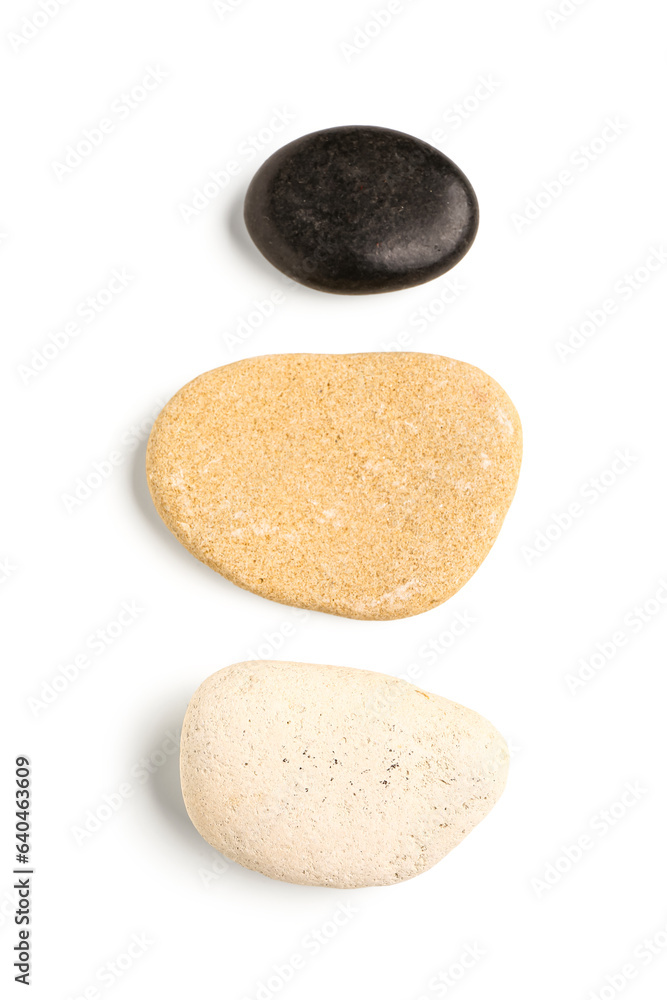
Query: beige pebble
(365, 485)
(333, 776)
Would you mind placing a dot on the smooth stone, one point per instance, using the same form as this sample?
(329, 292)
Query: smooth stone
(332, 776)
(361, 209)
(365, 485)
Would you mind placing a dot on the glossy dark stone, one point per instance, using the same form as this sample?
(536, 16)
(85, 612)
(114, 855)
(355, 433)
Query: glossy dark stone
(361, 209)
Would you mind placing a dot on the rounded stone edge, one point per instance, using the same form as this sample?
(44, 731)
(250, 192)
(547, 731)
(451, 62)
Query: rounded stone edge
(482, 721)
(268, 593)
(265, 167)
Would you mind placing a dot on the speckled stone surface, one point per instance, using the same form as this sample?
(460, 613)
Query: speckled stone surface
(365, 485)
(332, 776)
(361, 209)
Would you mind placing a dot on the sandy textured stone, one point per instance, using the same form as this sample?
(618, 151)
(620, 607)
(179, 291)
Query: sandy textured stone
(331, 776)
(366, 485)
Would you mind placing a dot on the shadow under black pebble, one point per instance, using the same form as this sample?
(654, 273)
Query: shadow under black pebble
(234, 226)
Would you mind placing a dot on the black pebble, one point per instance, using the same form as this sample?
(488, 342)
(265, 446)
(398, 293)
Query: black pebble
(361, 209)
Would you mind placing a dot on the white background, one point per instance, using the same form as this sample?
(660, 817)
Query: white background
(553, 85)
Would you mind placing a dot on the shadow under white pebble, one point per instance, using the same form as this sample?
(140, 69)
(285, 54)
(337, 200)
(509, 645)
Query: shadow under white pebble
(164, 786)
(164, 783)
(211, 871)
